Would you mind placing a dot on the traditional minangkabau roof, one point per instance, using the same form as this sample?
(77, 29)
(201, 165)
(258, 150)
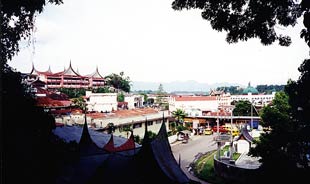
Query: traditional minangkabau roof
(153, 162)
(128, 145)
(96, 74)
(70, 71)
(86, 144)
(49, 70)
(245, 135)
(162, 166)
(36, 72)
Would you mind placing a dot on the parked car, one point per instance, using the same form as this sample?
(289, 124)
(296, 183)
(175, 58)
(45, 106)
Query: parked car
(222, 129)
(208, 131)
(235, 132)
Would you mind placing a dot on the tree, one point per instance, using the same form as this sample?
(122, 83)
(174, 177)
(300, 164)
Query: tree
(179, 114)
(119, 82)
(17, 22)
(26, 146)
(80, 102)
(160, 94)
(245, 19)
(286, 147)
(120, 97)
(243, 108)
(111, 128)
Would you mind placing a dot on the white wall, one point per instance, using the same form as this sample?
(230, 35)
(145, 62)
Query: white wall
(202, 105)
(105, 102)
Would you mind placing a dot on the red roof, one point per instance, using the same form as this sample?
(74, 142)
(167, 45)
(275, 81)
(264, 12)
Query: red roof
(195, 98)
(128, 145)
(48, 102)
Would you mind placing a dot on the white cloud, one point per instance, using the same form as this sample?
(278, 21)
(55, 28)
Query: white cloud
(150, 41)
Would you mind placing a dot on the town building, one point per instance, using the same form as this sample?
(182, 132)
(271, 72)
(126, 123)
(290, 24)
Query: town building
(101, 102)
(134, 101)
(186, 103)
(69, 78)
(134, 119)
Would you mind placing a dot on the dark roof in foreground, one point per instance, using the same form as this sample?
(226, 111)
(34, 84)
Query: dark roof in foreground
(151, 163)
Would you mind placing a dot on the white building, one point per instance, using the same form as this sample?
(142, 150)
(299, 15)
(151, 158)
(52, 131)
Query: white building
(187, 103)
(101, 102)
(256, 99)
(134, 101)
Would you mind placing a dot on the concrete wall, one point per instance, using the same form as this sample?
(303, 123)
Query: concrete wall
(234, 173)
(105, 102)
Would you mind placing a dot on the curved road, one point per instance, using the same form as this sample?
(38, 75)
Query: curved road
(196, 144)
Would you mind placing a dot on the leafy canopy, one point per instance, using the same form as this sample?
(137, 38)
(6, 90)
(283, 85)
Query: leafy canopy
(286, 148)
(118, 81)
(244, 19)
(17, 22)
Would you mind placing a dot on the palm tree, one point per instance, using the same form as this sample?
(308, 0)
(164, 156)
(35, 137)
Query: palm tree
(179, 114)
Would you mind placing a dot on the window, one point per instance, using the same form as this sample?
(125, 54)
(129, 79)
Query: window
(158, 121)
(137, 125)
(149, 123)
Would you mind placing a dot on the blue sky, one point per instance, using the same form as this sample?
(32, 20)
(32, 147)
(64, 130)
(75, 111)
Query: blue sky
(151, 42)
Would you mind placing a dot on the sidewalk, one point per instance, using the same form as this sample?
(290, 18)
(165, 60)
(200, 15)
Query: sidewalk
(247, 162)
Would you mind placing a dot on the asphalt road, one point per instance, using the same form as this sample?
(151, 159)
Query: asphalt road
(188, 151)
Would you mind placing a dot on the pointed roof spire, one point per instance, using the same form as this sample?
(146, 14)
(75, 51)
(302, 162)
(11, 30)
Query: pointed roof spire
(85, 138)
(70, 70)
(77, 70)
(33, 70)
(146, 138)
(110, 145)
(96, 74)
(49, 69)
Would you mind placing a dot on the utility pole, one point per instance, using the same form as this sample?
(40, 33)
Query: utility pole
(218, 133)
(231, 136)
(251, 114)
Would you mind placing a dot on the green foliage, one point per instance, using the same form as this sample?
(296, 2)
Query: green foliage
(101, 90)
(110, 128)
(180, 128)
(160, 94)
(80, 102)
(179, 114)
(243, 108)
(268, 89)
(17, 22)
(173, 128)
(26, 148)
(73, 92)
(234, 90)
(78, 92)
(120, 97)
(151, 135)
(286, 146)
(204, 169)
(137, 139)
(244, 19)
(119, 82)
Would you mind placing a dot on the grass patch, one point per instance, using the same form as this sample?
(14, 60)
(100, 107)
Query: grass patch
(204, 167)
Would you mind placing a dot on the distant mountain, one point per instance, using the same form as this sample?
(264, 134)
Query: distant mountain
(178, 86)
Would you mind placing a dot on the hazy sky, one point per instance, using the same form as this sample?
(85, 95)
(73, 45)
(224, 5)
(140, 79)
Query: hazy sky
(150, 41)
